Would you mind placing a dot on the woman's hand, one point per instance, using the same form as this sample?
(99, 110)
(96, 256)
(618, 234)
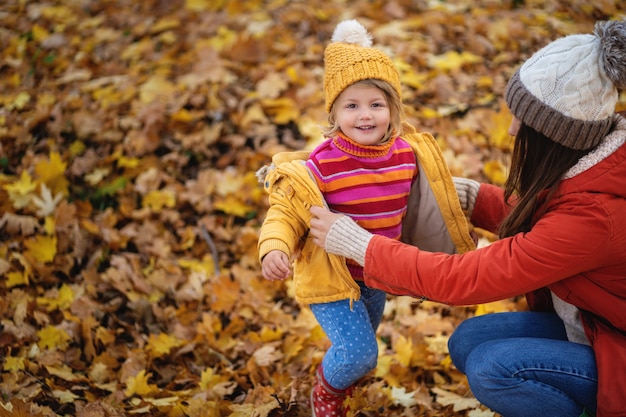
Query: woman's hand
(321, 222)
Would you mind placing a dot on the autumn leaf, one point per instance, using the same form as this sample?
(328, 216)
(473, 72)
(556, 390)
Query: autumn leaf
(52, 173)
(403, 398)
(21, 191)
(156, 87)
(158, 199)
(496, 172)
(209, 378)
(404, 350)
(65, 396)
(139, 385)
(51, 337)
(162, 344)
(17, 408)
(13, 364)
(42, 248)
(458, 402)
(254, 410)
(47, 204)
(453, 60)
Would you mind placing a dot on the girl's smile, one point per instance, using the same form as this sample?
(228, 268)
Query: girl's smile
(363, 114)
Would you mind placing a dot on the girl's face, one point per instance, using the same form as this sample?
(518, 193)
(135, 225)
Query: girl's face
(363, 114)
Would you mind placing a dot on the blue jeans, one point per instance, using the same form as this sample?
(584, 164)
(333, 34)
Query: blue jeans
(521, 364)
(352, 333)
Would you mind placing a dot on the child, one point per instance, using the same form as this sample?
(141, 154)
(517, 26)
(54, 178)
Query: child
(368, 170)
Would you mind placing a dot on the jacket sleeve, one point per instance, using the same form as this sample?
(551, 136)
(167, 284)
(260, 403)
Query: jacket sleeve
(550, 252)
(490, 208)
(284, 227)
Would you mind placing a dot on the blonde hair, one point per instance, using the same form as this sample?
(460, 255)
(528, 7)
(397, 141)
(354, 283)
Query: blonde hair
(396, 110)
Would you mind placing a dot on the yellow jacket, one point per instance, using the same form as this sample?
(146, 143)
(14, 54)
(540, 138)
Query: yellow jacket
(434, 219)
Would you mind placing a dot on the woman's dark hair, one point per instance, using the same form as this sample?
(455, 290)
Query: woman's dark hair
(537, 166)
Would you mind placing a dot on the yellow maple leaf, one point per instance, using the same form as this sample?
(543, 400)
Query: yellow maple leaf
(281, 110)
(108, 96)
(42, 248)
(162, 344)
(157, 199)
(233, 205)
(39, 33)
(139, 385)
(210, 378)
(452, 60)
(269, 335)
(52, 173)
(253, 114)
(52, 338)
(16, 278)
(292, 346)
(404, 350)
(205, 266)
(495, 171)
(126, 162)
(383, 366)
(408, 75)
(21, 191)
(63, 301)
(499, 130)
(13, 364)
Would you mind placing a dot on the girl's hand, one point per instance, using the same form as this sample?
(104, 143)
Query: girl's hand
(276, 266)
(321, 222)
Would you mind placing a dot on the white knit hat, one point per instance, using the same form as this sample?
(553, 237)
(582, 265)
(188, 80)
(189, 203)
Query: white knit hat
(568, 89)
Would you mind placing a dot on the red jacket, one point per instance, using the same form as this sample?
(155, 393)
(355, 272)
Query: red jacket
(577, 249)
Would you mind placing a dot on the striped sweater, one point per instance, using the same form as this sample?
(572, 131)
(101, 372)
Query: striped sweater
(371, 184)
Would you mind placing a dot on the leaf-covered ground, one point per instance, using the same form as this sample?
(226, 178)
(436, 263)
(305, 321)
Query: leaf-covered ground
(129, 210)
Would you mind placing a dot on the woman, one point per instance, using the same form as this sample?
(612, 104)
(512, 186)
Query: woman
(562, 225)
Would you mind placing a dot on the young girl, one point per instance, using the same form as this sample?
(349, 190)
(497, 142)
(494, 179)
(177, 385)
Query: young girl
(366, 170)
(562, 225)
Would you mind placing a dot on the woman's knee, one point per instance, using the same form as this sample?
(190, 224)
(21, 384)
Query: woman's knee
(460, 343)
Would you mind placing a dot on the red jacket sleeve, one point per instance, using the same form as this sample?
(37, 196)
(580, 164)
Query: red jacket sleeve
(489, 208)
(550, 252)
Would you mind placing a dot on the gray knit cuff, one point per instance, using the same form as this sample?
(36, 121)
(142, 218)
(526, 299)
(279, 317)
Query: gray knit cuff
(346, 238)
(468, 191)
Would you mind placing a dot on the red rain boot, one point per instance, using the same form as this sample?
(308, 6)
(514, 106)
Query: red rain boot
(327, 401)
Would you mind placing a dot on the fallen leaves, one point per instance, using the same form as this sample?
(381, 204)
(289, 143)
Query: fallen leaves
(129, 138)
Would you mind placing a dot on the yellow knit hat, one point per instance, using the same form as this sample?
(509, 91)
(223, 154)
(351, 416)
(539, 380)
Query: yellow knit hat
(350, 58)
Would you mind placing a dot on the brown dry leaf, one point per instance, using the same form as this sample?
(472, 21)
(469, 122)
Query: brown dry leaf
(458, 402)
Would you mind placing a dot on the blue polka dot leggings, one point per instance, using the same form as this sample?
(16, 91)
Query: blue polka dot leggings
(352, 333)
